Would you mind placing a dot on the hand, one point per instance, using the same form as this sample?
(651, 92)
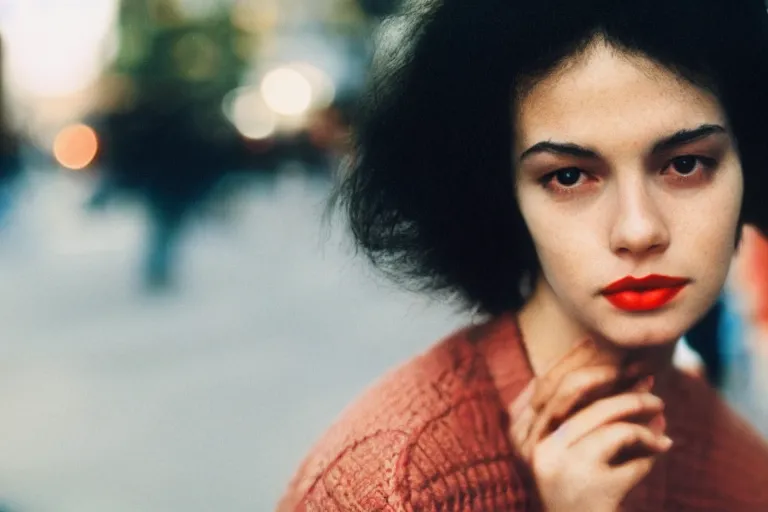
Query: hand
(579, 378)
(586, 445)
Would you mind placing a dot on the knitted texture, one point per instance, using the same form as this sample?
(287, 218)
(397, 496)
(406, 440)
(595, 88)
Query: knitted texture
(431, 436)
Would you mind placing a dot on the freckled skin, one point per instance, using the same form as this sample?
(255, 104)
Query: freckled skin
(632, 213)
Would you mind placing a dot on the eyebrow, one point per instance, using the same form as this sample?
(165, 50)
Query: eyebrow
(667, 143)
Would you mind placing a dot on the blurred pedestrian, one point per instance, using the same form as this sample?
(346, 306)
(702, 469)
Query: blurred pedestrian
(706, 339)
(10, 156)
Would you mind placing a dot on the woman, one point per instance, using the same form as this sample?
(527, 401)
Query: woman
(577, 172)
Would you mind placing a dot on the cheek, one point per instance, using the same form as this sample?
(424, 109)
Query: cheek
(563, 247)
(711, 251)
(710, 228)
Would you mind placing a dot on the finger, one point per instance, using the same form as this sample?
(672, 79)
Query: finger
(651, 419)
(576, 353)
(525, 439)
(576, 391)
(627, 475)
(522, 427)
(609, 410)
(609, 441)
(583, 354)
(522, 400)
(522, 416)
(598, 450)
(580, 356)
(658, 424)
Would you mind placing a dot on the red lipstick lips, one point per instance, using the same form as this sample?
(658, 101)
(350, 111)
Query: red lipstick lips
(643, 294)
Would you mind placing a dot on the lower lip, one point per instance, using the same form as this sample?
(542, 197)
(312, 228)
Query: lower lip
(645, 300)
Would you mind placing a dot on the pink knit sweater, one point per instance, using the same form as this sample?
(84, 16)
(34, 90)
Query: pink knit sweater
(431, 436)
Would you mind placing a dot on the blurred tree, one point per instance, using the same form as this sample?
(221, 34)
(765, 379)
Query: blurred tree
(169, 140)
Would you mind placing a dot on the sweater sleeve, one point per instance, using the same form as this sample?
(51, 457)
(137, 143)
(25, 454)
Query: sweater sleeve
(430, 435)
(432, 469)
(361, 478)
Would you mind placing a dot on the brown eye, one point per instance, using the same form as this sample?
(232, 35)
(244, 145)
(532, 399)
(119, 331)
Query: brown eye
(685, 164)
(568, 180)
(690, 170)
(567, 177)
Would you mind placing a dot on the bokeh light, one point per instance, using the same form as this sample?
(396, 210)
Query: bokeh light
(55, 48)
(323, 89)
(76, 146)
(286, 91)
(248, 112)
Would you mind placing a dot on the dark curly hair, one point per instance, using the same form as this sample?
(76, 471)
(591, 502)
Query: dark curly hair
(429, 185)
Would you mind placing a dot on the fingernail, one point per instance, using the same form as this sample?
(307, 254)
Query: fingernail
(645, 384)
(665, 442)
(658, 425)
(654, 401)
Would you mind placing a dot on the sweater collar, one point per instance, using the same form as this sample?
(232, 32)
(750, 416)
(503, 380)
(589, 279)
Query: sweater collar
(500, 343)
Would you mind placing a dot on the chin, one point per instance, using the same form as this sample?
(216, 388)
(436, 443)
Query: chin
(637, 342)
(643, 332)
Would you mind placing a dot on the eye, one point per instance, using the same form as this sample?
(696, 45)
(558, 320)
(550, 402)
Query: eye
(684, 164)
(567, 177)
(568, 180)
(562, 178)
(688, 169)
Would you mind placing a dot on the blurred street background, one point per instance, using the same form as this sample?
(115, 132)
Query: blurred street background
(178, 325)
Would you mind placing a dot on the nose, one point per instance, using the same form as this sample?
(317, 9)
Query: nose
(639, 228)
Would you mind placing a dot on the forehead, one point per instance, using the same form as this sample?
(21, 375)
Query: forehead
(605, 97)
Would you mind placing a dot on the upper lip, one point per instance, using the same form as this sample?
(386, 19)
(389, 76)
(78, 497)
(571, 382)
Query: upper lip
(644, 283)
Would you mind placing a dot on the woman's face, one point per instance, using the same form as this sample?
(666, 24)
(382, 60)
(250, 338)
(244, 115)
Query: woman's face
(625, 170)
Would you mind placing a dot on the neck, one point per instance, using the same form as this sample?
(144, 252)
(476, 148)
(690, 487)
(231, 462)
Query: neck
(549, 332)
